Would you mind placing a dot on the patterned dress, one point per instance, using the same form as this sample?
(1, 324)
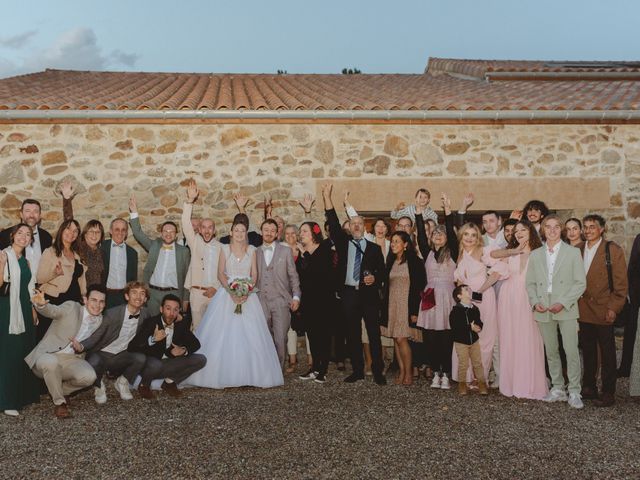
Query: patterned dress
(398, 326)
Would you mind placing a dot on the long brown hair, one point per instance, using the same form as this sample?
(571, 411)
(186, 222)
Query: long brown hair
(534, 238)
(58, 247)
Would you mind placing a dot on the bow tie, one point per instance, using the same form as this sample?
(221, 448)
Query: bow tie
(117, 246)
(134, 316)
(270, 247)
(170, 247)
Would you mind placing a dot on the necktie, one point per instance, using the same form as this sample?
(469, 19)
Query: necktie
(134, 316)
(358, 261)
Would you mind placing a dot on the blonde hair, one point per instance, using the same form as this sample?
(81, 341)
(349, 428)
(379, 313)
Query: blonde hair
(477, 248)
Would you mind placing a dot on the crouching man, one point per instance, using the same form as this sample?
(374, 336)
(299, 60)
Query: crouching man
(54, 359)
(169, 347)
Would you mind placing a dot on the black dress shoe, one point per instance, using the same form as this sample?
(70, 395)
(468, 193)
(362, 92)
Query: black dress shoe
(589, 393)
(354, 377)
(380, 379)
(606, 400)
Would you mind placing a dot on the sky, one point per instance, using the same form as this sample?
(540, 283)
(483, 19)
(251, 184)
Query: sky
(260, 36)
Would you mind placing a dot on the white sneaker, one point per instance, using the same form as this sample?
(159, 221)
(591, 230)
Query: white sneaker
(444, 382)
(122, 386)
(100, 394)
(555, 395)
(575, 400)
(12, 413)
(436, 381)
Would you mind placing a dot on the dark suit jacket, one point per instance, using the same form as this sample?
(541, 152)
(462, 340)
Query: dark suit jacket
(597, 299)
(45, 238)
(132, 261)
(417, 282)
(109, 329)
(372, 260)
(182, 337)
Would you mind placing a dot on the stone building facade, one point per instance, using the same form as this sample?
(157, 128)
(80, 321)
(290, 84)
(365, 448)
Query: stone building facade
(592, 168)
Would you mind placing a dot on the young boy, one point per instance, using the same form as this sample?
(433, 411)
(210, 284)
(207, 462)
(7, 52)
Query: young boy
(465, 323)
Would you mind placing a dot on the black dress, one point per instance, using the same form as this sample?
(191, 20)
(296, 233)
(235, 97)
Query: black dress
(316, 282)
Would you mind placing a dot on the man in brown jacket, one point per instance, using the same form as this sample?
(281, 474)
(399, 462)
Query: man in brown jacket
(601, 302)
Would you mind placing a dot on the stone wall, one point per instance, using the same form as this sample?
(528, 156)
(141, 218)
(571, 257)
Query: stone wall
(286, 161)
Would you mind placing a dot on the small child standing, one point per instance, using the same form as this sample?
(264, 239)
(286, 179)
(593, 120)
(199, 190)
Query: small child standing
(465, 323)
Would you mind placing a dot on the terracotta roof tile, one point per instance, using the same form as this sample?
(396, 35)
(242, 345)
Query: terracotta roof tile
(449, 84)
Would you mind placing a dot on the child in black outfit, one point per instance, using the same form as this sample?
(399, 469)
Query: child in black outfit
(465, 323)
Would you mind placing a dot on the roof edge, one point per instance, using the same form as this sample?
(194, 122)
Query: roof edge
(340, 115)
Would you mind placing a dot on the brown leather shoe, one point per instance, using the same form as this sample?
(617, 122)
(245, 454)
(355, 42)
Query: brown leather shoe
(171, 389)
(145, 392)
(482, 388)
(606, 400)
(462, 388)
(61, 411)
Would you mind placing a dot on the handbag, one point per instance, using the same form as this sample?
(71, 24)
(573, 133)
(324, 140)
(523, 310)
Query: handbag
(428, 299)
(625, 313)
(6, 286)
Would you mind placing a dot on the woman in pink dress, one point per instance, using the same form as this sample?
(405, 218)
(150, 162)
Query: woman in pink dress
(522, 372)
(472, 270)
(440, 255)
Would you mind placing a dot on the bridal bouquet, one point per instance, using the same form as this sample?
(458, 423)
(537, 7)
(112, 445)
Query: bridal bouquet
(241, 287)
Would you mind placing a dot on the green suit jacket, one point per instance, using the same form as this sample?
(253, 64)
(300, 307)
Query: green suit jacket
(152, 246)
(569, 282)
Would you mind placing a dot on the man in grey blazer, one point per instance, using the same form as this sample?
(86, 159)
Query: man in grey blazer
(278, 285)
(53, 359)
(555, 282)
(167, 263)
(107, 347)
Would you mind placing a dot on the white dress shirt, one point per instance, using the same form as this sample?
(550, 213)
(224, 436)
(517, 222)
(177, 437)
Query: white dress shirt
(89, 324)
(165, 274)
(127, 332)
(552, 257)
(589, 253)
(117, 278)
(33, 252)
(268, 252)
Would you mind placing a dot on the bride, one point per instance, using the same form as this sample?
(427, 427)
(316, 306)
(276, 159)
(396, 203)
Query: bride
(238, 346)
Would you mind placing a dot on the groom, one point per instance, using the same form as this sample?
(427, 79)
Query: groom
(278, 285)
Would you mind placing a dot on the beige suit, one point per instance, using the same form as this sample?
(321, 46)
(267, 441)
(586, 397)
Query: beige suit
(63, 373)
(196, 275)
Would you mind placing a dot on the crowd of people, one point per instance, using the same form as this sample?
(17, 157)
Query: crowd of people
(507, 305)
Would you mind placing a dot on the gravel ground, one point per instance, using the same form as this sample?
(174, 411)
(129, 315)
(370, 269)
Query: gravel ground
(335, 430)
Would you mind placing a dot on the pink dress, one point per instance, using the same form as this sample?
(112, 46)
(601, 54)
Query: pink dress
(473, 272)
(522, 372)
(440, 278)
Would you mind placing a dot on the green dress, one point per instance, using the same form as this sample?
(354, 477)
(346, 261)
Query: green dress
(18, 385)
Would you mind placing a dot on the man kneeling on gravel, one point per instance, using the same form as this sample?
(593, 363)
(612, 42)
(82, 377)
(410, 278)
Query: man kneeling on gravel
(54, 359)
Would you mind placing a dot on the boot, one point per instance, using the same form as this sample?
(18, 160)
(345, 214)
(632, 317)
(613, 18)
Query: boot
(462, 388)
(482, 388)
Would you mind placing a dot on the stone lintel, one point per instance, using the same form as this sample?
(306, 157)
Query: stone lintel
(381, 195)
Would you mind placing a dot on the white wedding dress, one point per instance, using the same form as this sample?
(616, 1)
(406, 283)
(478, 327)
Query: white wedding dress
(238, 346)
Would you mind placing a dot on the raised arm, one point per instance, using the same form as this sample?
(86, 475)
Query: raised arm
(187, 210)
(68, 192)
(338, 237)
(461, 217)
(138, 234)
(423, 241)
